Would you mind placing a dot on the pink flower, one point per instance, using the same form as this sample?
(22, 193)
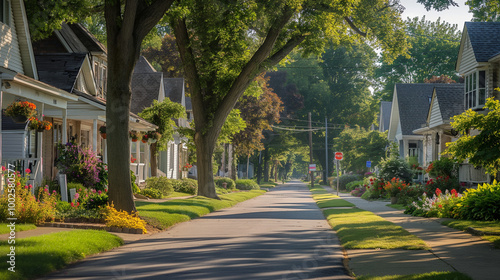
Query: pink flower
(27, 170)
(25, 187)
(77, 195)
(99, 192)
(3, 168)
(46, 190)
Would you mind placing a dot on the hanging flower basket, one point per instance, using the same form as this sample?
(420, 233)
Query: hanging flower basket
(134, 135)
(153, 136)
(38, 125)
(21, 111)
(145, 138)
(102, 129)
(19, 119)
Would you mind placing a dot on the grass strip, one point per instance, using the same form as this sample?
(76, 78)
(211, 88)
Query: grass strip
(447, 275)
(40, 255)
(19, 227)
(397, 206)
(166, 214)
(267, 185)
(360, 229)
(484, 226)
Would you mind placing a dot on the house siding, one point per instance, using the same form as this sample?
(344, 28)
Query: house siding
(435, 115)
(10, 55)
(11, 148)
(468, 61)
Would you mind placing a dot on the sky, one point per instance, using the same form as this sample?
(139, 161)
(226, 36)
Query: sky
(454, 15)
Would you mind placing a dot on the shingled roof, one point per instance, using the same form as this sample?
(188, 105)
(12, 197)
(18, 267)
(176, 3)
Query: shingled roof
(174, 89)
(484, 38)
(145, 89)
(413, 102)
(385, 115)
(143, 66)
(450, 98)
(59, 70)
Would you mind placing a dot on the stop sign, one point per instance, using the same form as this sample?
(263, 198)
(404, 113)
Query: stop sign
(339, 155)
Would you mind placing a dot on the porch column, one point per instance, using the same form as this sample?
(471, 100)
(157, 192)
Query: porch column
(94, 136)
(39, 174)
(147, 166)
(64, 126)
(424, 151)
(1, 135)
(105, 152)
(440, 135)
(138, 161)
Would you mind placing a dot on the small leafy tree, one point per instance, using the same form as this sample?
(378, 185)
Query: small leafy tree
(162, 114)
(482, 149)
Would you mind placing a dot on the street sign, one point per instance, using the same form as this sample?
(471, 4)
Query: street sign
(339, 155)
(368, 164)
(312, 167)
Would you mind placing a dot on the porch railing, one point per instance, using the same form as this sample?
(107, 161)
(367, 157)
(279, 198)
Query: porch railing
(139, 171)
(21, 164)
(467, 173)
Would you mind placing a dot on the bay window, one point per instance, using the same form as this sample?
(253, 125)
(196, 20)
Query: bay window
(475, 90)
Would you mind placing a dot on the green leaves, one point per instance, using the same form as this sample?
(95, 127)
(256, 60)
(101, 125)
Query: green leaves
(480, 139)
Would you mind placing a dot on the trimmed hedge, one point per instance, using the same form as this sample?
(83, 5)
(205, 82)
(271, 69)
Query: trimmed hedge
(230, 182)
(152, 193)
(168, 186)
(246, 184)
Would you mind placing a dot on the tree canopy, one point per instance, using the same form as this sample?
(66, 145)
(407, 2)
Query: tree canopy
(433, 52)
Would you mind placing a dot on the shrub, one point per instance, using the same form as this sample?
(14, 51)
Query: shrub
(410, 194)
(28, 208)
(395, 168)
(96, 199)
(152, 193)
(63, 206)
(246, 184)
(354, 184)
(358, 191)
(163, 184)
(442, 183)
(481, 204)
(187, 185)
(230, 182)
(344, 180)
(81, 165)
(394, 187)
(76, 186)
(115, 218)
(444, 167)
(374, 188)
(439, 205)
(133, 178)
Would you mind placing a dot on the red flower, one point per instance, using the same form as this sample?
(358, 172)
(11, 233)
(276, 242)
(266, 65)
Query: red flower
(3, 168)
(27, 170)
(440, 206)
(454, 193)
(438, 192)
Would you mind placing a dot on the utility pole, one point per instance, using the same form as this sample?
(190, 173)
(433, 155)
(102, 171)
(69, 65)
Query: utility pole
(310, 148)
(326, 150)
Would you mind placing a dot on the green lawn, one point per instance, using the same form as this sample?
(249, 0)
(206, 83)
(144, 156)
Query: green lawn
(168, 213)
(326, 200)
(19, 227)
(424, 276)
(360, 229)
(484, 226)
(39, 255)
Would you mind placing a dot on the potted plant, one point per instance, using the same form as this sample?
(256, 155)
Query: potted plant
(186, 167)
(145, 138)
(134, 135)
(393, 188)
(153, 136)
(102, 129)
(38, 125)
(21, 111)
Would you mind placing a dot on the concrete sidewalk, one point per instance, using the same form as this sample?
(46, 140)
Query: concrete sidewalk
(279, 235)
(451, 250)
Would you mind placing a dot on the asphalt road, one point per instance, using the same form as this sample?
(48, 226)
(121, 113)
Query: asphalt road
(279, 235)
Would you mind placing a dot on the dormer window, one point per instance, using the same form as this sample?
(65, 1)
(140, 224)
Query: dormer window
(5, 11)
(475, 90)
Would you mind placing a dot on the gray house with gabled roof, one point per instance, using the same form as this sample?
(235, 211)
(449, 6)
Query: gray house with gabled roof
(410, 105)
(147, 86)
(447, 101)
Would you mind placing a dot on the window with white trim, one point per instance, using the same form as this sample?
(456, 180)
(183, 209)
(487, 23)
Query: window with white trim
(5, 11)
(475, 90)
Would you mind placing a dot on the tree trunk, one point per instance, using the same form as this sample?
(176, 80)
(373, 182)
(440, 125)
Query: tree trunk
(117, 127)
(259, 168)
(248, 166)
(204, 154)
(266, 165)
(154, 160)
